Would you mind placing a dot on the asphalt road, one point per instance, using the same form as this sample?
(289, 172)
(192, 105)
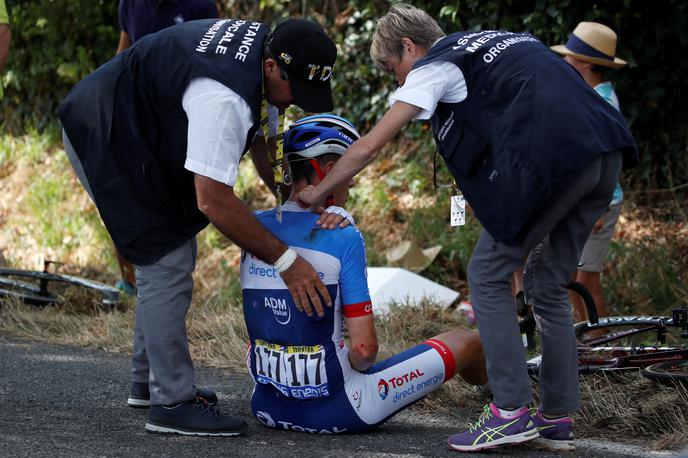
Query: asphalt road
(63, 401)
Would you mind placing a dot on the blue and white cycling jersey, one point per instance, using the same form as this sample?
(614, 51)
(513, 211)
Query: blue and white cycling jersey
(300, 356)
(304, 380)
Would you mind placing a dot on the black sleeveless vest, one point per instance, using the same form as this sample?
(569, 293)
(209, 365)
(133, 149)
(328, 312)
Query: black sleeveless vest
(528, 126)
(128, 127)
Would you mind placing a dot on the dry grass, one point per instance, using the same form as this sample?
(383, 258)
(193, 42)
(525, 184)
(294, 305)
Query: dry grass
(108, 330)
(614, 406)
(217, 334)
(630, 406)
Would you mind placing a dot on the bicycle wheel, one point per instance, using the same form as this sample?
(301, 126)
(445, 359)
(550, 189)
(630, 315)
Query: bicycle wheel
(668, 372)
(45, 288)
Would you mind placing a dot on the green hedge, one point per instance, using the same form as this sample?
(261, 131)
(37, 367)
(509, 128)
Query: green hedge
(56, 42)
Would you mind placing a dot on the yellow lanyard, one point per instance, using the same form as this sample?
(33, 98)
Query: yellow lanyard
(278, 162)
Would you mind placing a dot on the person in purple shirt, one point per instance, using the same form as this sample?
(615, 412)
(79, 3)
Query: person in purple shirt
(138, 18)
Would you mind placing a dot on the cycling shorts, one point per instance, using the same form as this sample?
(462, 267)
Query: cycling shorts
(367, 399)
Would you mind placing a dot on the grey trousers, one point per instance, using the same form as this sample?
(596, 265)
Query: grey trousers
(553, 245)
(161, 355)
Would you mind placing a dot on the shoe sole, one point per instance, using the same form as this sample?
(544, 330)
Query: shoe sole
(138, 403)
(555, 445)
(159, 429)
(513, 439)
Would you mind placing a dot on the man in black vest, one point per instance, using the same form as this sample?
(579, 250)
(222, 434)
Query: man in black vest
(136, 20)
(536, 153)
(155, 136)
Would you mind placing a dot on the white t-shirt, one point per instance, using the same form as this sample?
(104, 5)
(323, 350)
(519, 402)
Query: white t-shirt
(219, 121)
(438, 81)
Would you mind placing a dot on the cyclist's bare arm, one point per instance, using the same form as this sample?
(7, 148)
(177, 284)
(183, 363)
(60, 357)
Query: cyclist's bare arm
(363, 343)
(223, 208)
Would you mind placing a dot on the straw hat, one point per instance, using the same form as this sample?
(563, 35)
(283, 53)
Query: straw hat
(592, 42)
(409, 256)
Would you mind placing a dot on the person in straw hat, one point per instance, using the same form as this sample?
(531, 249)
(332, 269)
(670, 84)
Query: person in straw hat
(591, 49)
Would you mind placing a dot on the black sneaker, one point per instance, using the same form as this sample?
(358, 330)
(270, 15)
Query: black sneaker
(193, 418)
(139, 396)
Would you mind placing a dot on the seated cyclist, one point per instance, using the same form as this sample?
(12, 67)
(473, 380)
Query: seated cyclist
(307, 377)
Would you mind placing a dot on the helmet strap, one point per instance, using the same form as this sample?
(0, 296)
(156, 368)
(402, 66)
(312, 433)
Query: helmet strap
(330, 199)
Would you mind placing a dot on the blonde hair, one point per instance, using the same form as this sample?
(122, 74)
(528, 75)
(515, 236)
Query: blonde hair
(402, 21)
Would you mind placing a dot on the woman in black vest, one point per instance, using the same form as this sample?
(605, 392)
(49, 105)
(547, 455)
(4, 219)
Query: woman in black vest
(536, 153)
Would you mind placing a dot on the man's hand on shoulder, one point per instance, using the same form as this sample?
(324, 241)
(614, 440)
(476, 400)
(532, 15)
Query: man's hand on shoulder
(221, 206)
(306, 288)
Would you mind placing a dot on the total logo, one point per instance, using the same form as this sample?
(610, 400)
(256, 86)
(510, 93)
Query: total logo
(382, 389)
(397, 382)
(266, 419)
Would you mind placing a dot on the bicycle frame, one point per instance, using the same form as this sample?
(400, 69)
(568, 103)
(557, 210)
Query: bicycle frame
(646, 323)
(37, 285)
(594, 355)
(661, 324)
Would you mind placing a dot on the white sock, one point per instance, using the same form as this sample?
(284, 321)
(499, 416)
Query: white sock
(509, 414)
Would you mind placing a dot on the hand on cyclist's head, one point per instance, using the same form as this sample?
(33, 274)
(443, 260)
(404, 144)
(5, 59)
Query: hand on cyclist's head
(312, 146)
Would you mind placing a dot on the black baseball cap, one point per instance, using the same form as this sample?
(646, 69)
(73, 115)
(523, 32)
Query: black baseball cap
(305, 52)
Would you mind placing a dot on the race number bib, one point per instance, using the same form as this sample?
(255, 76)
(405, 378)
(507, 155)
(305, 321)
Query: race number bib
(298, 371)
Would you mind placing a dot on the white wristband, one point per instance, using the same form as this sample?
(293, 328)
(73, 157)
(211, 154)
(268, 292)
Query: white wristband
(285, 261)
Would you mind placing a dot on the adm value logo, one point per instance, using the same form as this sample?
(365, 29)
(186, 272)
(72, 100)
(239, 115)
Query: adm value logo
(280, 309)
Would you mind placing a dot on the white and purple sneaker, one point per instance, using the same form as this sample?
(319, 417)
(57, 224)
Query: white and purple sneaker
(492, 430)
(555, 434)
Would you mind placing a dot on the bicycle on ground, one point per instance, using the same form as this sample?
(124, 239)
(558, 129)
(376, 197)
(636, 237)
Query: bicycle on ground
(655, 345)
(43, 288)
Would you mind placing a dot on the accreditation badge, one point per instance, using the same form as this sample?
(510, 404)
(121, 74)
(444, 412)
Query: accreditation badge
(457, 216)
